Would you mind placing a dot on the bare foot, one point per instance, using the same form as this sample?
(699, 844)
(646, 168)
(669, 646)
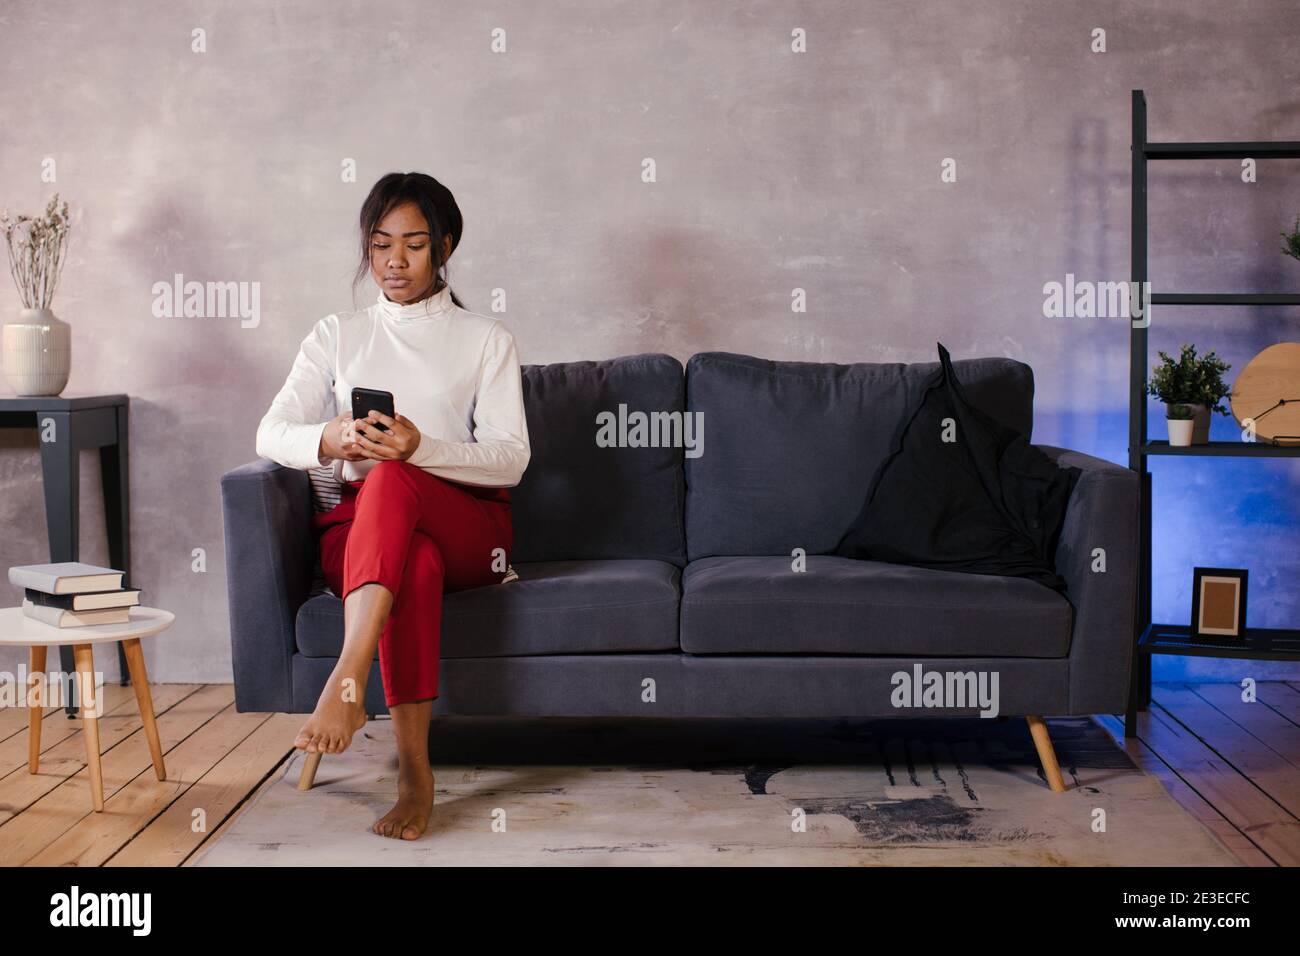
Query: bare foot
(410, 815)
(330, 727)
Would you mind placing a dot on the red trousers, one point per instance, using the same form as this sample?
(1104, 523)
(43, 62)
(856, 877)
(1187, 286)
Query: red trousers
(419, 536)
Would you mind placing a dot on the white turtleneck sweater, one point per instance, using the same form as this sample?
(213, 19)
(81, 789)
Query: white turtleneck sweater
(453, 373)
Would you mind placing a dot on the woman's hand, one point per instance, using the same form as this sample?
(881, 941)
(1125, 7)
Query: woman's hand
(338, 440)
(398, 443)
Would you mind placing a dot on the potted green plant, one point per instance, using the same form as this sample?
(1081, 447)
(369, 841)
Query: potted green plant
(1180, 419)
(1292, 240)
(1193, 381)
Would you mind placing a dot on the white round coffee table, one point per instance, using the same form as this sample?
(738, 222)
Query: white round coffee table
(16, 628)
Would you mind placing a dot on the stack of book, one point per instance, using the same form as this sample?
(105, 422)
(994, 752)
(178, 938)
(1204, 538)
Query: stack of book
(72, 594)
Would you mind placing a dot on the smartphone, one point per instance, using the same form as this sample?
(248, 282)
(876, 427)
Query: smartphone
(364, 399)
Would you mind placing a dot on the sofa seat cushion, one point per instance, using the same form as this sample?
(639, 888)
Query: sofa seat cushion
(758, 605)
(556, 607)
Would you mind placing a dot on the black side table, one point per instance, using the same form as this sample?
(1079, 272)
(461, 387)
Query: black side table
(66, 425)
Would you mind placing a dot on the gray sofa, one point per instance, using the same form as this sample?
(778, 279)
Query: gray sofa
(655, 581)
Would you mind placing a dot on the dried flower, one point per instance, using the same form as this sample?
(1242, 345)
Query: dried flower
(36, 252)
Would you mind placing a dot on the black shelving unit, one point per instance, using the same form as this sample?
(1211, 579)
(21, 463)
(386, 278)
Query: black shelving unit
(1148, 637)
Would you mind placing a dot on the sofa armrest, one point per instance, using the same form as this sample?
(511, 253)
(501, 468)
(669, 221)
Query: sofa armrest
(270, 552)
(1102, 513)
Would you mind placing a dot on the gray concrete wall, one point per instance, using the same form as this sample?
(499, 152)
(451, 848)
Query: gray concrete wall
(776, 170)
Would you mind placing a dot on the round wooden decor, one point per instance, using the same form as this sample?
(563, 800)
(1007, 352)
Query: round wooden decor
(1268, 378)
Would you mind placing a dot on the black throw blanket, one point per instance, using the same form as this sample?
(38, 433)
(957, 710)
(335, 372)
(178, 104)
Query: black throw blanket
(961, 492)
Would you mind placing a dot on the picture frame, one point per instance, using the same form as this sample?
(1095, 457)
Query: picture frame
(1219, 604)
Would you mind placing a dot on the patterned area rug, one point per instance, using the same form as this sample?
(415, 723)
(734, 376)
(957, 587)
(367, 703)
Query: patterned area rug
(607, 792)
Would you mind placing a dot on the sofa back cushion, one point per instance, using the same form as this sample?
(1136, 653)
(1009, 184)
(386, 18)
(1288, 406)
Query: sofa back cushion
(790, 448)
(579, 500)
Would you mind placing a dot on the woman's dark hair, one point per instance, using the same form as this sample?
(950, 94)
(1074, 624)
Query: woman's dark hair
(435, 202)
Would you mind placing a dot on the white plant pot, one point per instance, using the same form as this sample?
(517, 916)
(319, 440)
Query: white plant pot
(37, 352)
(1180, 432)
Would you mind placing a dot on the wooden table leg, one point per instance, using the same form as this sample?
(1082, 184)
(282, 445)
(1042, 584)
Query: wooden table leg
(89, 722)
(35, 671)
(140, 681)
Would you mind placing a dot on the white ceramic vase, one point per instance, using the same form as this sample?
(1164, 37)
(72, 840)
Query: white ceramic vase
(37, 352)
(1180, 431)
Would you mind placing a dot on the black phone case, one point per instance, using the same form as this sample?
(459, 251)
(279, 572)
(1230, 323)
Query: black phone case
(364, 399)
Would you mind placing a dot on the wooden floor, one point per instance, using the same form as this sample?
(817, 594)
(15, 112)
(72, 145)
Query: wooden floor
(1235, 766)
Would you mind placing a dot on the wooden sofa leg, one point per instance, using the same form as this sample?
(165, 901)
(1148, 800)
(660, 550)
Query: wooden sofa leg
(308, 777)
(309, 770)
(1038, 729)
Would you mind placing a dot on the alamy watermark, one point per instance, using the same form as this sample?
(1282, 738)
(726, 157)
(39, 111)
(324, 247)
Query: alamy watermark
(129, 910)
(179, 299)
(946, 689)
(52, 689)
(639, 429)
(1084, 299)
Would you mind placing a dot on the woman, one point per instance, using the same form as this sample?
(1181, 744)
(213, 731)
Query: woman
(423, 508)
